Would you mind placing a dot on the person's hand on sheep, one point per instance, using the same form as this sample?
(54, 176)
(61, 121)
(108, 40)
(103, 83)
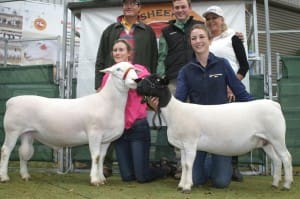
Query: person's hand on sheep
(230, 95)
(153, 103)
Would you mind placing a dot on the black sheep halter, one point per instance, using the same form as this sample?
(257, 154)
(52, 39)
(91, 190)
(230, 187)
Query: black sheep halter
(155, 86)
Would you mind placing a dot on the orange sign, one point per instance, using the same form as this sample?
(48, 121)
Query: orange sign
(157, 15)
(40, 24)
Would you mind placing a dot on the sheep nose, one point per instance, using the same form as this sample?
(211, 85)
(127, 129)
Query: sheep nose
(138, 80)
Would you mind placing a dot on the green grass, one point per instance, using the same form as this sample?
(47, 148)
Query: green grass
(46, 185)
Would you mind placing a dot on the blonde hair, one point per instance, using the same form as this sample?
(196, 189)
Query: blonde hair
(224, 26)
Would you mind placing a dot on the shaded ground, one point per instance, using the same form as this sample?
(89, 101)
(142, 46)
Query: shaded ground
(48, 184)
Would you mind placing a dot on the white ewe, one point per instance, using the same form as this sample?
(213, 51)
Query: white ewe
(193, 127)
(97, 119)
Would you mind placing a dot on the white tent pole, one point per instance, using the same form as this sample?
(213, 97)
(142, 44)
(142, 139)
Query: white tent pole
(255, 28)
(267, 26)
(62, 82)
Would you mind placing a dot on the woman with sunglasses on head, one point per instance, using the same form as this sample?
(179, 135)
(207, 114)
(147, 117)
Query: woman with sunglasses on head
(225, 43)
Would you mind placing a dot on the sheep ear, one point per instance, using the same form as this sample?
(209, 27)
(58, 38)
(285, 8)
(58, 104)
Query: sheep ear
(106, 70)
(165, 80)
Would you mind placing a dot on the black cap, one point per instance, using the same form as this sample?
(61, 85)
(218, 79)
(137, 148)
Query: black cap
(138, 2)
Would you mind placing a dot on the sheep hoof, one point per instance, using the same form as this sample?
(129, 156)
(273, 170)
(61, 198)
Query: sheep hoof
(98, 183)
(186, 191)
(4, 179)
(26, 177)
(274, 187)
(102, 180)
(286, 187)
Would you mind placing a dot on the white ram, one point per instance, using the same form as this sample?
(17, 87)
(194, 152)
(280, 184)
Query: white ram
(228, 129)
(96, 119)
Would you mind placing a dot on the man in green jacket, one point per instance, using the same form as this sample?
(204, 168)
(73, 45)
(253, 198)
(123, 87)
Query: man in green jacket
(175, 50)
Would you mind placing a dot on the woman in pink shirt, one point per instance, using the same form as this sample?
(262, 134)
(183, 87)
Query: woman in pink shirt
(133, 147)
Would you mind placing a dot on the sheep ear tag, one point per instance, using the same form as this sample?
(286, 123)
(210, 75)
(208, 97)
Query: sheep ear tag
(165, 80)
(137, 70)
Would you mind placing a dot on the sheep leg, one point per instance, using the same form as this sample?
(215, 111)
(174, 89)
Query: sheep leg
(286, 159)
(183, 172)
(276, 163)
(8, 145)
(94, 145)
(189, 158)
(288, 169)
(103, 150)
(26, 151)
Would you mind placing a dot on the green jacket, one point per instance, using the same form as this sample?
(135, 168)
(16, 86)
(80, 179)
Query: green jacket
(174, 48)
(145, 48)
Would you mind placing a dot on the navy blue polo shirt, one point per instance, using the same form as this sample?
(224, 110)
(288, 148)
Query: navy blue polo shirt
(208, 85)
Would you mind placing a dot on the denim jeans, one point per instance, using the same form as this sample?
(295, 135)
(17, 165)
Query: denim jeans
(132, 151)
(216, 168)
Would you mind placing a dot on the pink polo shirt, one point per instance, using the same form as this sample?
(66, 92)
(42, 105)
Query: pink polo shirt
(134, 108)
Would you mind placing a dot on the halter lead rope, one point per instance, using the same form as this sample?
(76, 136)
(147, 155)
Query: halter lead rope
(126, 72)
(157, 114)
